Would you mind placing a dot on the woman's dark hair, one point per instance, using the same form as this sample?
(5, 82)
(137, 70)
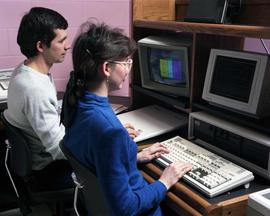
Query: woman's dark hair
(95, 44)
(38, 25)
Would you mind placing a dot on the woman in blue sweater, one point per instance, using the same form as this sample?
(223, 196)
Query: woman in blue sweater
(95, 136)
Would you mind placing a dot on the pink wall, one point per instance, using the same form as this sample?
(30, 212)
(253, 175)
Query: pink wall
(116, 13)
(255, 45)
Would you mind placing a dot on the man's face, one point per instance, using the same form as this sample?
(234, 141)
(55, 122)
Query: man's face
(59, 46)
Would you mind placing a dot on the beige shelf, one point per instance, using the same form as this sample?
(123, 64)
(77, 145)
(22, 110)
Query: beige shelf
(206, 28)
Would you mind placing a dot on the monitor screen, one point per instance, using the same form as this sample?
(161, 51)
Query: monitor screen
(236, 80)
(233, 77)
(164, 65)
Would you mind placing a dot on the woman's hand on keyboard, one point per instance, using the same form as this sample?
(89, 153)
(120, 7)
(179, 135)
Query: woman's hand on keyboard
(154, 151)
(174, 172)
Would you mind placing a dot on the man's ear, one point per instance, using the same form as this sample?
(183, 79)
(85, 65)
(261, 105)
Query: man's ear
(40, 46)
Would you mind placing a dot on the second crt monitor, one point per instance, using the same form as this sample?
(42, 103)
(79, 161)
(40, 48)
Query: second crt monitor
(238, 81)
(164, 64)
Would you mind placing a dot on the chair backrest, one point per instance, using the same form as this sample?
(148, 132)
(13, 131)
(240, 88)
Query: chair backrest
(94, 200)
(20, 159)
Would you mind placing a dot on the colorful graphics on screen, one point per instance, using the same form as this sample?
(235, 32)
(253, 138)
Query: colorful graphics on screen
(170, 69)
(167, 66)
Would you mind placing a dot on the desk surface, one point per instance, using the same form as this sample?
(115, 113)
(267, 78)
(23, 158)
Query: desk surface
(257, 184)
(3, 105)
(185, 196)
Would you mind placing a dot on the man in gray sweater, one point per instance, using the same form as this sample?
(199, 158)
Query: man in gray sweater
(32, 102)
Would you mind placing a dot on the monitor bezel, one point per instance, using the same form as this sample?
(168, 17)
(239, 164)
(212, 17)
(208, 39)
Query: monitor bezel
(250, 107)
(164, 43)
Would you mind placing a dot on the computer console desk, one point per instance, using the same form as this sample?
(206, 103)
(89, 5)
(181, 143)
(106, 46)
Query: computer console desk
(252, 22)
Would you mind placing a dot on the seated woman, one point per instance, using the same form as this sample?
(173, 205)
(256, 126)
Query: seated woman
(95, 136)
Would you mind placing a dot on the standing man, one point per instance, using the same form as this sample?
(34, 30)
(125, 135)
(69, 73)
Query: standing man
(32, 101)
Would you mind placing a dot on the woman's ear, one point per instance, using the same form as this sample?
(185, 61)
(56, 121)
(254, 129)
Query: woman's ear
(106, 69)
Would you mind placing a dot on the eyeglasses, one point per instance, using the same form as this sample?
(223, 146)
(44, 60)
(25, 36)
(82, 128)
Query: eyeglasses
(128, 63)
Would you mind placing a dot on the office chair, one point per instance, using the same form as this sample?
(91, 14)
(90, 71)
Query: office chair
(86, 182)
(18, 163)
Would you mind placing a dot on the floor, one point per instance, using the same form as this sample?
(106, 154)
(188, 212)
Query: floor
(41, 210)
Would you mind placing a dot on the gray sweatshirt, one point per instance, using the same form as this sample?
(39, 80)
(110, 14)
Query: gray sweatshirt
(32, 107)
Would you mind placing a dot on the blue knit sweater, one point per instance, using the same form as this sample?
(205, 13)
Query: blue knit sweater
(99, 141)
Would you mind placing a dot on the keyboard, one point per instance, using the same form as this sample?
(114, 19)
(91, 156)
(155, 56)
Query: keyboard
(211, 174)
(3, 89)
(4, 84)
(5, 75)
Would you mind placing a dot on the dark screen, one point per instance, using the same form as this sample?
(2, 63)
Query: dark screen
(233, 77)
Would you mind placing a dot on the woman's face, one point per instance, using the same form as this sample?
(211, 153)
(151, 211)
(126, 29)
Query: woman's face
(120, 71)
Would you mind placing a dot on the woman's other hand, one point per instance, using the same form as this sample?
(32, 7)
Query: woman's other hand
(154, 151)
(131, 130)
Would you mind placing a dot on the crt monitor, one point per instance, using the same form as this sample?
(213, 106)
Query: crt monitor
(238, 81)
(164, 64)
